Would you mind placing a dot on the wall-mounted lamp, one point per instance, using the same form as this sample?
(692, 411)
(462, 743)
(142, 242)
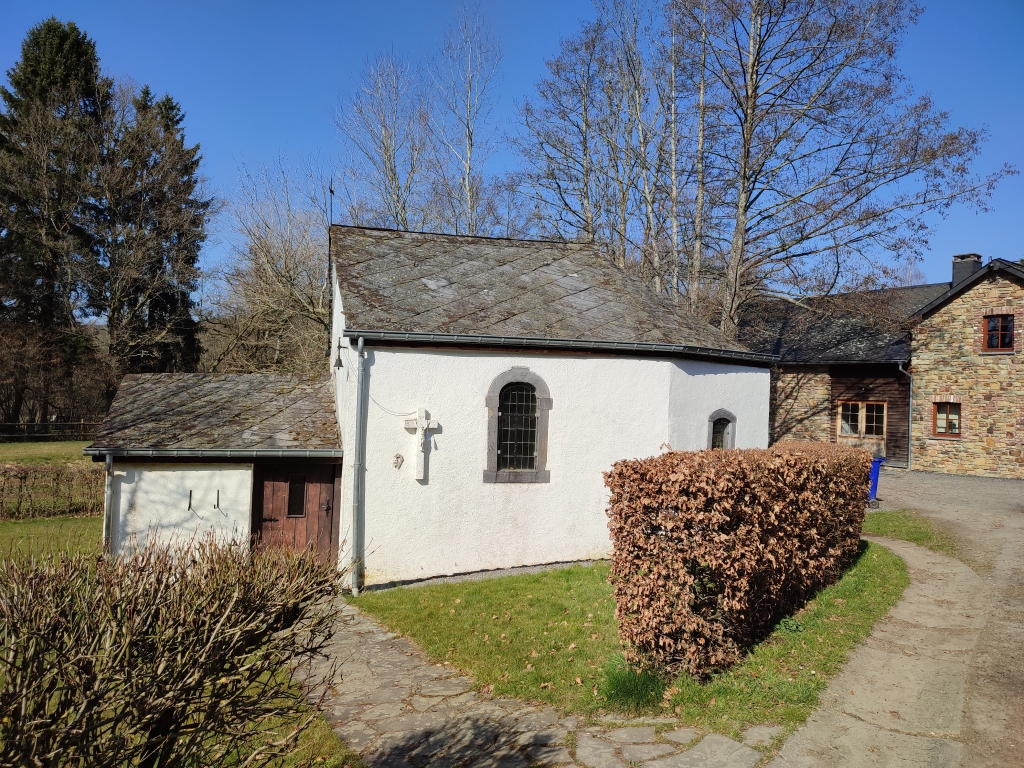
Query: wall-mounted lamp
(337, 358)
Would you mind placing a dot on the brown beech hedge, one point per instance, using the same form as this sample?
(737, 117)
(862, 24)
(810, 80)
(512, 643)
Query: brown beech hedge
(713, 548)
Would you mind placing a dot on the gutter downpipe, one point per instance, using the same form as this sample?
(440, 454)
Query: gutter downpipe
(108, 503)
(357, 469)
(910, 412)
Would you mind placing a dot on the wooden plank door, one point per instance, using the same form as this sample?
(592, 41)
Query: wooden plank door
(296, 508)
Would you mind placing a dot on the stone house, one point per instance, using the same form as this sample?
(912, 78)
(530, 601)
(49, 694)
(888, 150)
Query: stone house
(928, 376)
(477, 390)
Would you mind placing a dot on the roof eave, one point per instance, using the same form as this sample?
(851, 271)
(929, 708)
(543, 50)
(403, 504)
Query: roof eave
(217, 453)
(524, 342)
(871, 361)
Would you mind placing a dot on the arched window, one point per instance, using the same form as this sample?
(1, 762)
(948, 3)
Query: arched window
(721, 430)
(518, 403)
(517, 427)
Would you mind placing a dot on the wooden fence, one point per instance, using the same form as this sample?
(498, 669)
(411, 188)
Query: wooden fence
(52, 431)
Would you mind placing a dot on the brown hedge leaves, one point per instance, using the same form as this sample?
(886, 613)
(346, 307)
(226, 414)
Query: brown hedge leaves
(712, 548)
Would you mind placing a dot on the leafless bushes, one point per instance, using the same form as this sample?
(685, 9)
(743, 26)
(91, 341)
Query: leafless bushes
(159, 659)
(712, 548)
(28, 491)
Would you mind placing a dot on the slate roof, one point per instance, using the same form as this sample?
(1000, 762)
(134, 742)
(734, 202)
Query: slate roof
(416, 283)
(869, 326)
(220, 412)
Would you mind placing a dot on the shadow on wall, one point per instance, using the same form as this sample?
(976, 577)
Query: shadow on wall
(797, 413)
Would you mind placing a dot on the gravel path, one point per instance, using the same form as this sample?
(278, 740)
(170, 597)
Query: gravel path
(941, 681)
(397, 709)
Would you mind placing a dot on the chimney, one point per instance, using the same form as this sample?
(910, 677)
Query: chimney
(965, 265)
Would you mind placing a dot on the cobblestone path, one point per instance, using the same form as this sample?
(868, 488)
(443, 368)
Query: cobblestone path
(397, 709)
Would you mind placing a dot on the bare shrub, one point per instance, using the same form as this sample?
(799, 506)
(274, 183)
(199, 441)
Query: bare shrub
(713, 548)
(28, 491)
(163, 658)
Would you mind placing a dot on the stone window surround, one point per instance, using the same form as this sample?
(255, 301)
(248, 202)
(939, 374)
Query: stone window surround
(544, 402)
(958, 399)
(730, 433)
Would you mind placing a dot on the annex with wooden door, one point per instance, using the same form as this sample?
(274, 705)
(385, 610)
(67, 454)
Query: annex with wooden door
(253, 456)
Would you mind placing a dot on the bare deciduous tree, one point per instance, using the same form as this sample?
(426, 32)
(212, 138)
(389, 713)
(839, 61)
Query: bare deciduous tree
(272, 309)
(386, 128)
(465, 75)
(827, 160)
(731, 150)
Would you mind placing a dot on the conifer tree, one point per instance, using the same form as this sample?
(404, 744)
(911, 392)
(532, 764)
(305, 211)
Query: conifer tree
(50, 124)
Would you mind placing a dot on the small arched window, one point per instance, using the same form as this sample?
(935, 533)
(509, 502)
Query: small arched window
(518, 403)
(721, 430)
(517, 427)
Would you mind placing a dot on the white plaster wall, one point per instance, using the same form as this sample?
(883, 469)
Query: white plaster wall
(152, 500)
(700, 388)
(604, 409)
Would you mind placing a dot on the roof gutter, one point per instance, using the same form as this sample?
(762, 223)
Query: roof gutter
(216, 453)
(529, 342)
(902, 361)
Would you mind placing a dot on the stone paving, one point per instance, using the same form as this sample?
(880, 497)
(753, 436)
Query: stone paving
(397, 709)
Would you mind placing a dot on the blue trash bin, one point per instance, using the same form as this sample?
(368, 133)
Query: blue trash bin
(876, 467)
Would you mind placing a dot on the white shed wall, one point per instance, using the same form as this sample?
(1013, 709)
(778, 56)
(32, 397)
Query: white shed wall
(604, 409)
(153, 500)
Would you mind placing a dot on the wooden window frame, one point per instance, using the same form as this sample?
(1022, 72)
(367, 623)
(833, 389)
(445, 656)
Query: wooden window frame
(861, 417)
(984, 333)
(935, 421)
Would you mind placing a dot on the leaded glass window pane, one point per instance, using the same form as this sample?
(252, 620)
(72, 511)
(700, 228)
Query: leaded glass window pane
(719, 430)
(517, 427)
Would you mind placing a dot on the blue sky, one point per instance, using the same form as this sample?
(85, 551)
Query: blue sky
(260, 79)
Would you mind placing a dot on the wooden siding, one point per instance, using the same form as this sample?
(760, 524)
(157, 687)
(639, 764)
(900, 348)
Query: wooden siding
(876, 383)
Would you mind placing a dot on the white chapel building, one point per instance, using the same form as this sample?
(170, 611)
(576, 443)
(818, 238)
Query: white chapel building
(478, 389)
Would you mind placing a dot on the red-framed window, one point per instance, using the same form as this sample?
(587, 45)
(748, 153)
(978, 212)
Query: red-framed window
(946, 421)
(998, 333)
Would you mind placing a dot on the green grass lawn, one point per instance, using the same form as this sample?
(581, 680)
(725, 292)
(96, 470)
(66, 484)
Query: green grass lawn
(320, 746)
(76, 534)
(552, 637)
(909, 526)
(42, 453)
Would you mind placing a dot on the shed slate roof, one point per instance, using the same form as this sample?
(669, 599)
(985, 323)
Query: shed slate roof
(513, 289)
(865, 327)
(220, 412)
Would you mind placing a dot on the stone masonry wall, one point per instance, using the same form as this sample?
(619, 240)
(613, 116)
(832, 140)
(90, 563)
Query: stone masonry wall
(801, 404)
(950, 366)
